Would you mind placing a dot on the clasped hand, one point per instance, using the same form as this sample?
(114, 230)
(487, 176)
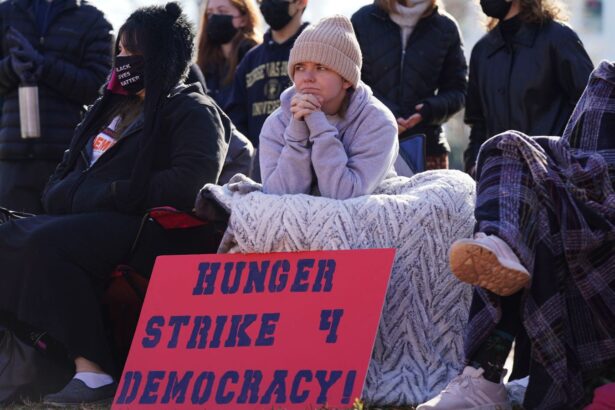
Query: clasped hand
(304, 104)
(25, 59)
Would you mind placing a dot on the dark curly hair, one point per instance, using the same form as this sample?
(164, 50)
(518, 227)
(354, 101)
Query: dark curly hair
(164, 37)
(537, 12)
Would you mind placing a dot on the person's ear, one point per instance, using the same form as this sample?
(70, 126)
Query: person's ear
(242, 21)
(302, 4)
(346, 85)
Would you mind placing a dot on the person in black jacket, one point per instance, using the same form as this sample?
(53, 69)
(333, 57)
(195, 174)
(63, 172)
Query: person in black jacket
(526, 74)
(64, 47)
(149, 141)
(229, 28)
(413, 60)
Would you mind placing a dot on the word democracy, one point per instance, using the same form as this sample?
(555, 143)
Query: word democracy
(246, 387)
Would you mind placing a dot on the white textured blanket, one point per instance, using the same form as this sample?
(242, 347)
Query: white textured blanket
(419, 345)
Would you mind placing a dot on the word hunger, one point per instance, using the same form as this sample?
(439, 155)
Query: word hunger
(307, 275)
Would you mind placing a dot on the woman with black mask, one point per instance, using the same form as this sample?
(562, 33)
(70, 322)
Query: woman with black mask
(526, 73)
(229, 28)
(149, 141)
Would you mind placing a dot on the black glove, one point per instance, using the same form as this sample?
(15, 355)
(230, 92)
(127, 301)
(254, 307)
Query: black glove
(23, 69)
(21, 49)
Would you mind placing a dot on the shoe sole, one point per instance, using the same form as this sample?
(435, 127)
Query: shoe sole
(479, 266)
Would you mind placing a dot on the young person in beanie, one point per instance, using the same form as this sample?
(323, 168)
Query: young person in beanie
(262, 74)
(330, 136)
(148, 141)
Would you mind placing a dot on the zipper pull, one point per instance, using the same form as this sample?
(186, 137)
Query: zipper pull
(42, 40)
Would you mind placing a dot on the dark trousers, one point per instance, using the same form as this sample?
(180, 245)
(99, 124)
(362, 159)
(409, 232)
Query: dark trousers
(53, 270)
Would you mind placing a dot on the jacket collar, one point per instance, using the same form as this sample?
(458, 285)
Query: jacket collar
(526, 36)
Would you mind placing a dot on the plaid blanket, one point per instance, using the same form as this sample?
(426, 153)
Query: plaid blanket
(552, 200)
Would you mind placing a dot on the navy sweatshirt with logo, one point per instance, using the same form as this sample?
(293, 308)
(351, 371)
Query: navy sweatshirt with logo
(259, 80)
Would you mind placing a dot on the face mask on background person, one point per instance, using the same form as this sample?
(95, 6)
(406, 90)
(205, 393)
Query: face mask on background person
(496, 8)
(220, 29)
(276, 13)
(129, 72)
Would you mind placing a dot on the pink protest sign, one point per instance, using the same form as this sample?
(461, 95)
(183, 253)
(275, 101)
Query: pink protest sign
(258, 331)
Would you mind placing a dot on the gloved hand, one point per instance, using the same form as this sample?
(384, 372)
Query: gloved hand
(242, 184)
(23, 69)
(21, 49)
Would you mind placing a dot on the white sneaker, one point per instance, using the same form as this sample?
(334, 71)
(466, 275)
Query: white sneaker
(470, 390)
(487, 261)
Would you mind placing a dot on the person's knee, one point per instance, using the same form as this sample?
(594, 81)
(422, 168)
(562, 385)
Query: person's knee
(504, 140)
(43, 241)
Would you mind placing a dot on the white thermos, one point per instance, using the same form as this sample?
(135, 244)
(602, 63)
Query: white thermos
(29, 116)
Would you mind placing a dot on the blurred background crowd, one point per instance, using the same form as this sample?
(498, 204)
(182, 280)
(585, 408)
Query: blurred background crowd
(589, 18)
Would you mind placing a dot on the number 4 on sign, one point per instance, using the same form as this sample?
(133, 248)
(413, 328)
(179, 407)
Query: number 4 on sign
(330, 320)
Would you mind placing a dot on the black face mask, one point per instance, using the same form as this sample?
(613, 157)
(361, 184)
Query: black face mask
(220, 29)
(497, 9)
(129, 71)
(276, 13)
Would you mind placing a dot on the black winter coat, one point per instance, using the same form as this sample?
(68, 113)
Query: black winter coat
(531, 87)
(196, 134)
(432, 69)
(77, 59)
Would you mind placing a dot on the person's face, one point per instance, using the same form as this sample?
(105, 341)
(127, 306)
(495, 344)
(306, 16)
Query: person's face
(225, 7)
(295, 7)
(321, 81)
(124, 52)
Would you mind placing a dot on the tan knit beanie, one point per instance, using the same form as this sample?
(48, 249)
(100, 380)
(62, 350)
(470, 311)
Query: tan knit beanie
(332, 43)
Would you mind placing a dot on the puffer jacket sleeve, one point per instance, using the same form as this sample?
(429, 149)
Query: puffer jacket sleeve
(361, 24)
(81, 83)
(452, 82)
(8, 79)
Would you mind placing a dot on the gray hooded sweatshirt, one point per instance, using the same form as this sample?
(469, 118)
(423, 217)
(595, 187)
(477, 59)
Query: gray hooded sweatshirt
(344, 157)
